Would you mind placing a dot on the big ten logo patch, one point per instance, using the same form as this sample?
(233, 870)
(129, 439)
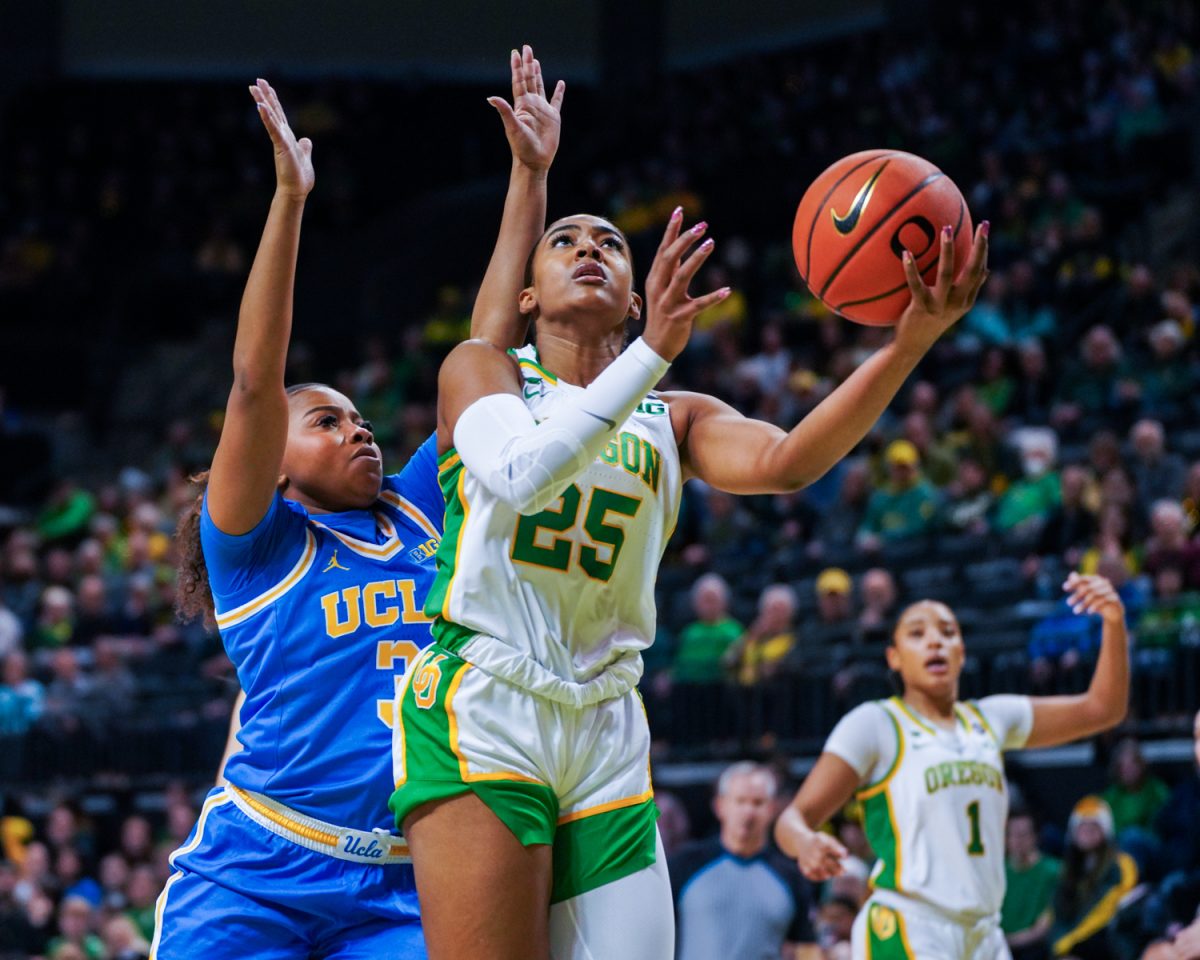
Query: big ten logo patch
(425, 551)
(382, 603)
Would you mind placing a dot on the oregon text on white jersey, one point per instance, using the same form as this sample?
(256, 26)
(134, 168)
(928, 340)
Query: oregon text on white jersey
(561, 602)
(936, 800)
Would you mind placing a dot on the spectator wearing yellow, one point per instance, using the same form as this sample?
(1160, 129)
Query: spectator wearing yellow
(906, 506)
(1096, 877)
(759, 652)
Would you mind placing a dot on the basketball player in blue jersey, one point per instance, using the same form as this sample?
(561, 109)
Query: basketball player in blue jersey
(315, 566)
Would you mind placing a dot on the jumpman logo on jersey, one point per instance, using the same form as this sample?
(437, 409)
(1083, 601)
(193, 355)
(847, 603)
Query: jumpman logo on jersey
(333, 564)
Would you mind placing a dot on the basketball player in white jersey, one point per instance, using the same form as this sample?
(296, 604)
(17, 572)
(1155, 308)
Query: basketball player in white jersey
(929, 772)
(521, 753)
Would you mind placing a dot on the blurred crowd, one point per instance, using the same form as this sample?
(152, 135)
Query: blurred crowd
(1053, 430)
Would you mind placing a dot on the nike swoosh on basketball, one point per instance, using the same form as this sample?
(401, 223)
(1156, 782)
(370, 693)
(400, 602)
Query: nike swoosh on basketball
(844, 225)
(609, 423)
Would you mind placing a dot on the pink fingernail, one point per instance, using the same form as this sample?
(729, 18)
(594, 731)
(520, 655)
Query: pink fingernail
(699, 228)
(677, 213)
(907, 257)
(726, 291)
(707, 244)
(946, 231)
(986, 227)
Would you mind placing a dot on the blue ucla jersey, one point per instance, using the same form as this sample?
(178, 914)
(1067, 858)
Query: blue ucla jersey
(321, 615)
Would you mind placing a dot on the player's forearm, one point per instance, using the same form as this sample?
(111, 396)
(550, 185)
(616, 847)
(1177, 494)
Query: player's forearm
(791, 830)
(495, 317)
(1107, 699)
(841, 420)
(265, 318)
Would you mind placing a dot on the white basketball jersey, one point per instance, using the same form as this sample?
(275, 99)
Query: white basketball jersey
(935, 818)
(565, 597)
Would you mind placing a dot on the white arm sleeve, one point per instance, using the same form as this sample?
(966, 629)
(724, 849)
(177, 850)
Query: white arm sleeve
(865, 739)
(1010, 716)
(528, 464)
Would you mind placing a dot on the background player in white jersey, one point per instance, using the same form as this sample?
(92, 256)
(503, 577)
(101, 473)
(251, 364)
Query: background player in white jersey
(929, 772)
(521, 750)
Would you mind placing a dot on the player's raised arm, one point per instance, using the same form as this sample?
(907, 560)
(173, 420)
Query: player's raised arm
(532, 124)
(740, 455)
(246, 465)
(1106, 701)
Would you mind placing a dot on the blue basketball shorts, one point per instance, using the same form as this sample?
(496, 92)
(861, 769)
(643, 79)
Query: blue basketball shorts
(239, 890)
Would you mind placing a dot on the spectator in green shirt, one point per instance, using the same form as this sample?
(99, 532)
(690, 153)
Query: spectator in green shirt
(704, 641)
(1031, 878)
(1135, 795)
(75, 922)
(1029, 501)
(906, 507)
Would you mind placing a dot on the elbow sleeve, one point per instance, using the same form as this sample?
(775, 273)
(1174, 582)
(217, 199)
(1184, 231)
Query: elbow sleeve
(527, 465)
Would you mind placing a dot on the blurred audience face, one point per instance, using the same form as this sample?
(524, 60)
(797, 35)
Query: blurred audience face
(972, 478)
(1032, 360)
(1088, 836)
(1072, 483)
(136, 839)
(75, 918)
(1100, 348)
(16, 669)
(833, 606)
(917, 431)
(57, 606)
(114, 872)
(856, 483)
(1168, 583)
(119, 935)
(1020, 839)
(878, 589)
(61, 825)
(92, 595)
(710, 598)
(923, 398)
(1168, 521)
(1104, 452)
(744, 806)
(142, 888)
(1148, 439)
(776, 608)
(1129, 766)
(65, 665)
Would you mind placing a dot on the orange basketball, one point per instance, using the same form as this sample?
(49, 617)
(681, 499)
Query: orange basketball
(857, 219)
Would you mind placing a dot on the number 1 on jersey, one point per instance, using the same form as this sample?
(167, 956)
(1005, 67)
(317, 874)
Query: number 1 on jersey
(975, 847)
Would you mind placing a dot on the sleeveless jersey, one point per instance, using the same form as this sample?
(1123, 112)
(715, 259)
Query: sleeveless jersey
(563, 599)
(321, 615)
(936, 800)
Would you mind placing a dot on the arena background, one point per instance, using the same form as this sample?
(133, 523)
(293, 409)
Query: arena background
(133, 183)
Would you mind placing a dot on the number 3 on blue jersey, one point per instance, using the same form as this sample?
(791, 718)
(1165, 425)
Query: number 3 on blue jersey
(397, 656)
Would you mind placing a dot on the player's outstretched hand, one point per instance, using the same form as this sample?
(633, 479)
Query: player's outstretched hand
(670, 311)
(1091, 594)
(531, 122)
(294, 175)
(934, 310)
(820, 856)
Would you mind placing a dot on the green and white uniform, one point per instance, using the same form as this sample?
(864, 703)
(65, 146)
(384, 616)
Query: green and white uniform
(935, 803)
(527, 696)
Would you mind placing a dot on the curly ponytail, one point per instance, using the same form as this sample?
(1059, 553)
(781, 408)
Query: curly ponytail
(193, 596)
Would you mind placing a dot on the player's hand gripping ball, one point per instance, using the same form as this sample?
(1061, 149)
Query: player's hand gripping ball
(858, 218)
